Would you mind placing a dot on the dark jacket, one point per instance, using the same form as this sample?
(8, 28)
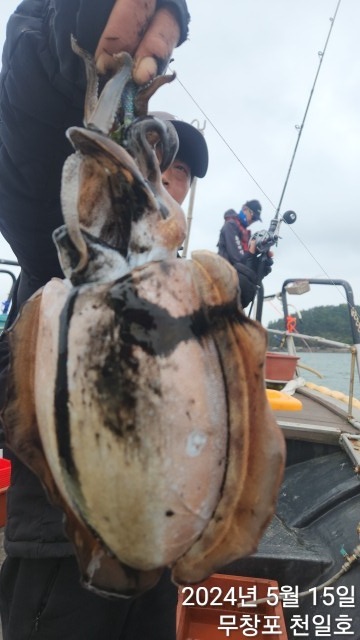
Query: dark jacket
(42, 87)
(233, 246)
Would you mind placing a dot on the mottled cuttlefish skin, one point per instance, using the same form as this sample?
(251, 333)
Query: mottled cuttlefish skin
(108, 195)
(136, 387)
(146, 392)
(115, 192)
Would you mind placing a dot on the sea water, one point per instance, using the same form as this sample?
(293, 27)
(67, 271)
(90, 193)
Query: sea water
(334, 369)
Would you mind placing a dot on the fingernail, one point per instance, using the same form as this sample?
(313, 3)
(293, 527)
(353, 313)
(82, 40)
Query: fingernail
(145, 70)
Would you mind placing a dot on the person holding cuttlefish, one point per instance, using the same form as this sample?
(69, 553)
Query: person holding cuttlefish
(151, 471)
(42, 94)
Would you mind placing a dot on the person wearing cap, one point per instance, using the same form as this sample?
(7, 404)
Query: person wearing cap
(191, 160)
(42, 91)
(236, 246)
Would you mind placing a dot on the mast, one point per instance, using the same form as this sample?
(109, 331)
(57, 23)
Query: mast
(195, 123)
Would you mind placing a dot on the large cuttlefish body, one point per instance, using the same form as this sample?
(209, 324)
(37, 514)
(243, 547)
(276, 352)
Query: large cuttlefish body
(136, 389)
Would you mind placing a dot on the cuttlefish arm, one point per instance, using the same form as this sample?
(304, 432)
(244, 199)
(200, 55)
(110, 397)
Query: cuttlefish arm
(142, 97)
(70, 181)
(77, 186)
(158, 235)
(104, 264)
(99, 173)
(100, 112)
(154, 144)
(92, 80)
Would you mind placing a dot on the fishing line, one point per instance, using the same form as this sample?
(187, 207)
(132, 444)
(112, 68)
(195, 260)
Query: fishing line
(323, 270)
(223, 139)
(301, 127)
(300, 130)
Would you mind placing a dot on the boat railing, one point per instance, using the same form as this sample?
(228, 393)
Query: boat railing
(299, 286)
(302, 336)
(289, 339)
(7, 302)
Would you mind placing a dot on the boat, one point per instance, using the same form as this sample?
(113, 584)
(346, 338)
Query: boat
(308, 558)
(9, 273)
(310, 551)
(311, 547)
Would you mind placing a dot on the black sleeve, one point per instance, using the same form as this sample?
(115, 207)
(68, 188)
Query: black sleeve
(33, 119)
(86, 20)
(231, 242)
(260, 265)
(183, 16)
(42, 87)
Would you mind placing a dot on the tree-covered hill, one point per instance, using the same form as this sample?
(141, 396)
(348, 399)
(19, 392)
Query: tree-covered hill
(331, 322)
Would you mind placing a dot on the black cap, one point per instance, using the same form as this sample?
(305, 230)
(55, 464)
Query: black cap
(192, 146)
(255, 207)
(230, 213)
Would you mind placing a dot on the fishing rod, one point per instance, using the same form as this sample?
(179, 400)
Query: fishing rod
(266, 239)
(301, 127)
(275, 223)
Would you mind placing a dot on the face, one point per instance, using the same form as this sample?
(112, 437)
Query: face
(177, 180)
(249, 214)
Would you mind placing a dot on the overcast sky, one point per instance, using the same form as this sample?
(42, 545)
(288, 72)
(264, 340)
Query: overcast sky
(246, 73)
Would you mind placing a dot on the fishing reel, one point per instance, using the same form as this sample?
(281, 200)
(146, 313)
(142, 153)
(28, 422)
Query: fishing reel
(265, 239)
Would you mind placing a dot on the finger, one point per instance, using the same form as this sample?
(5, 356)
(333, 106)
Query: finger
(252, 246)
(157, 46)
(124, 29)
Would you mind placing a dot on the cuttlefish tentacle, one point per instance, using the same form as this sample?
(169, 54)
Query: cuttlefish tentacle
(145, 93)
(153, 223)
(92, 143)
(120, 91)
(92, 80)
(157, 235)
(104, 115)
(100, 111)
(71, 179)
(144, 138)
(104, 264)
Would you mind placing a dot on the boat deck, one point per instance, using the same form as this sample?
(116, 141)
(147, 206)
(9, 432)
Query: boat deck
(322, 419)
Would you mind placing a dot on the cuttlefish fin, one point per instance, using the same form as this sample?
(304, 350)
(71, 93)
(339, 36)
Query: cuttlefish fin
(19, 415)
(255, 466)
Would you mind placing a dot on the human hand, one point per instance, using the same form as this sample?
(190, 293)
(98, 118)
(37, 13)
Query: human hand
(252, 246)
(149, 35)
(267, 263)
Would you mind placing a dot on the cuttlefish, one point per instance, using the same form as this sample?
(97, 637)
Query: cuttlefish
(136, 389)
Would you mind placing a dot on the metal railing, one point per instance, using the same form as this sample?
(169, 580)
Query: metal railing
(289, 338)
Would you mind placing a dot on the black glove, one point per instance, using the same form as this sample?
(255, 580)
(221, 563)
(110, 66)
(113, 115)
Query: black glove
(267, 264)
